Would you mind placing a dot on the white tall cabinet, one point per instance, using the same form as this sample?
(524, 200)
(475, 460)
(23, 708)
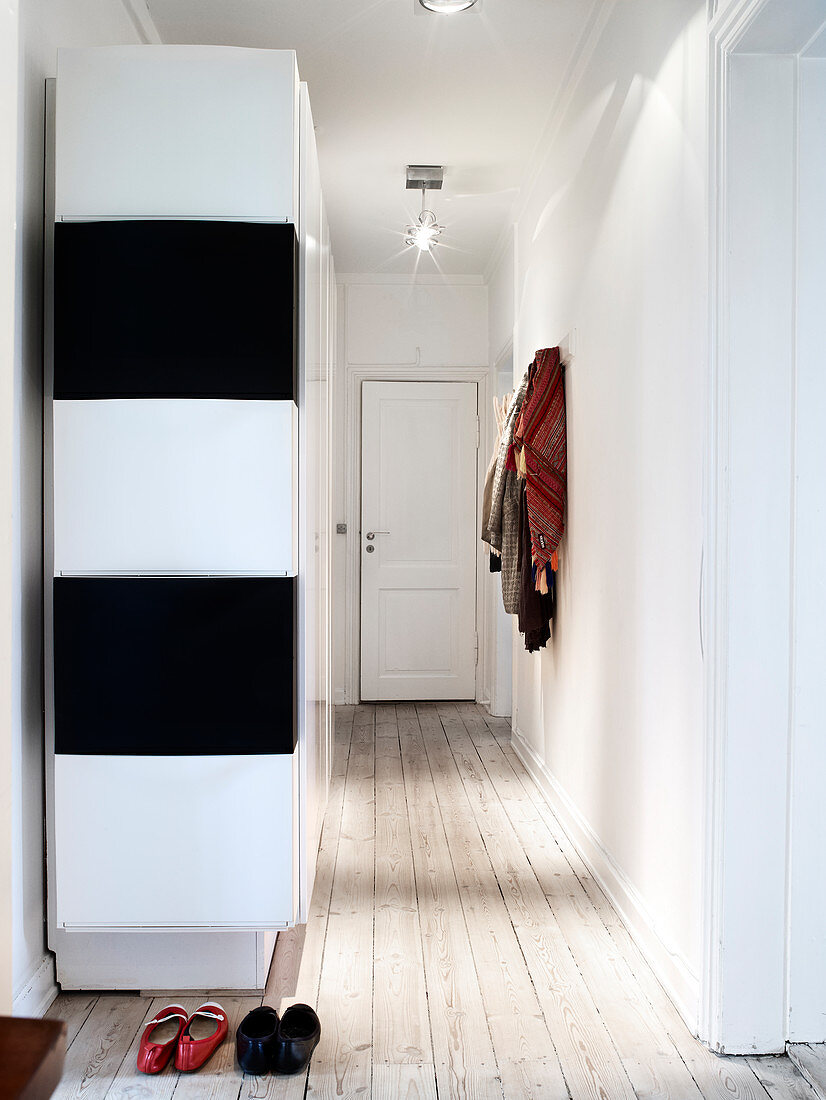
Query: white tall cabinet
(189, 358)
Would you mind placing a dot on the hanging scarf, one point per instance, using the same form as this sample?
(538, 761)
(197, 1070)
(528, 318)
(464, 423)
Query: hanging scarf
(540, 453)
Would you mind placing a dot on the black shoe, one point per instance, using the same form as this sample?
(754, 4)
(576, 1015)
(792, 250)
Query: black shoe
(297, 1038)
(255, 1040)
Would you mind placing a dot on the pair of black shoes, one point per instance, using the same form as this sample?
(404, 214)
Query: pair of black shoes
(266, 1043)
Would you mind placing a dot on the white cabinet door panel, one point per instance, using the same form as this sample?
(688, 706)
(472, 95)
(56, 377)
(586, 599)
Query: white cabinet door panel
(418, 540)
(173, 841)
(176, 131)
(178, 485)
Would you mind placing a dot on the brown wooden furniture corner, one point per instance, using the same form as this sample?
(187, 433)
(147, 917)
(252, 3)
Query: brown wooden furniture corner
(32, 1053)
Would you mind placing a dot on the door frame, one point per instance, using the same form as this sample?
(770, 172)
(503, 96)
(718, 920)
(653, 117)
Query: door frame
(352, 503)
(10, 889)
(744, 990)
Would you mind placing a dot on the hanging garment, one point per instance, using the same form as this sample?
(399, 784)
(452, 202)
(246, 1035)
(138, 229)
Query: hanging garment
(535, 609)
(500, 411)
(493, 535)
(510, 542)
(539, 443)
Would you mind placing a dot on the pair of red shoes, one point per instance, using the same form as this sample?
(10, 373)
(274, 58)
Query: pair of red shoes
(194, 1039)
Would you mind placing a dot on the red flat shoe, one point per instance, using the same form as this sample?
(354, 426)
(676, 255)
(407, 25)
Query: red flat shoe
(203, 1033)
(166, 1026)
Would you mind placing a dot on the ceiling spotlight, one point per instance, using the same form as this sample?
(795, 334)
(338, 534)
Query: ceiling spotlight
(447, 7)
(425, 231)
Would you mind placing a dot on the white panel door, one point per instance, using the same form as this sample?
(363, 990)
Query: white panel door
(418, 540)
(181, 486)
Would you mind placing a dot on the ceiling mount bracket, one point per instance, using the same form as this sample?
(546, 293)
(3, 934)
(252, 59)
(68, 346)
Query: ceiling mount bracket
(425, 177)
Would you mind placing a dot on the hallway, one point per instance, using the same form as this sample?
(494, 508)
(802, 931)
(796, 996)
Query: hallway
(456, 947)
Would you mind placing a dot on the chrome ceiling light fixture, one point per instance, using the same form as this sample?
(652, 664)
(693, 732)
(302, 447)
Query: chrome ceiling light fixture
(447, 7)
(425, 231)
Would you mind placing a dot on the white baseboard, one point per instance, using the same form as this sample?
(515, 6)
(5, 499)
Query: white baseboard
(341, 698)
(38, 991)
(496, 711)
(675, 975)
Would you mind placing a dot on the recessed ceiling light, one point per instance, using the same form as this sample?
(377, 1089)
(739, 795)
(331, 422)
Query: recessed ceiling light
(447, 7)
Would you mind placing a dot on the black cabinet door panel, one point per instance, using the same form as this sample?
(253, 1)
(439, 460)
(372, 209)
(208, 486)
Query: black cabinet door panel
(169, 666)
(174, 309)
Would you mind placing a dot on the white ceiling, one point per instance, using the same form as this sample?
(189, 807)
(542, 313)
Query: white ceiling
(390, 85)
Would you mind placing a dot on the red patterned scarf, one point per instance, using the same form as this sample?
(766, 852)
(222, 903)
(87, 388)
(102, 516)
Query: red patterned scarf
(539, 446)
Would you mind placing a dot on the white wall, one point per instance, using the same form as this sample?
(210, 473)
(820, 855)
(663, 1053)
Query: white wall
(44, 26)
(501, 288)
(393, 325)
(611, 264)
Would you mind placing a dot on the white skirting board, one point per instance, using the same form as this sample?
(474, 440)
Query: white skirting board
(38, 991)
(164, 960)
(679, 981)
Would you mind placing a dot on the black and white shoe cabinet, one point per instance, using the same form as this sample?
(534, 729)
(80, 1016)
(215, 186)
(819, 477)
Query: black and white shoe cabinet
(188, 358)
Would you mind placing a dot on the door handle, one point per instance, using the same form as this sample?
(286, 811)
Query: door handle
(372, 534)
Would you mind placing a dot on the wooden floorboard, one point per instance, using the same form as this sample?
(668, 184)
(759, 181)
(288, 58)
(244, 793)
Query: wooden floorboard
(810, 1059)
(648, 1056)
(780, 1077)
(401, 1025)
(342, 1063)
(404, 1082)
(456, 946)
(588, 1057)
(717, 1077)
(465, 1063)
(100, 1047)
(72, 1009)
(315, 932)
(515, 1018)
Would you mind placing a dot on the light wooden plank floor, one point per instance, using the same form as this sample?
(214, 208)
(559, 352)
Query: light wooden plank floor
(810, 1059)
(456, 947)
